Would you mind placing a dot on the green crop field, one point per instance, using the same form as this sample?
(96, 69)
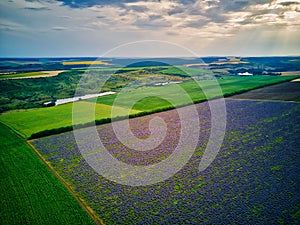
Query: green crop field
(30, 193)
(28, 122)
(28, 74)
(228, 86)
(184, 71)
(135, 68)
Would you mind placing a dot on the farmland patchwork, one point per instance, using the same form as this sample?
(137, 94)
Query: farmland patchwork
(254, 179)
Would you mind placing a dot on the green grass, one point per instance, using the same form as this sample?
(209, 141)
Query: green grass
(229, 86)
(30, 193)
(184, 71)
(28, 122)
(169, 70)
(276, 168)
(28, 74)
(126, 69)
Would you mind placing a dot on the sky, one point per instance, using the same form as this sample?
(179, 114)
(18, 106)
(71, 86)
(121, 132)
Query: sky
(155, 28)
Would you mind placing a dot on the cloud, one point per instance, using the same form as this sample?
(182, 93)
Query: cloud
(37, 9)
(137, 8)
(66, 17)
(159, 15)
(289, 3)
(59, 28)
(198, 24)
(275, 13)
(90, 3)
(7, 25)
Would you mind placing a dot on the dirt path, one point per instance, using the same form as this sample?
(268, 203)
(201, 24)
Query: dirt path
(288, 91)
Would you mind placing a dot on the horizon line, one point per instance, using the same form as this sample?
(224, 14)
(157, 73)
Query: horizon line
(143, 57)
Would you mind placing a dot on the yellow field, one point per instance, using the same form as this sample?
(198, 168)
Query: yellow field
(27, 75)
(290, 73)
(229, 62)
(196, 64)
(86, 63)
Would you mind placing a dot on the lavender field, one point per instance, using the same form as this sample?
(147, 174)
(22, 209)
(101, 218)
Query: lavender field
(253, 180)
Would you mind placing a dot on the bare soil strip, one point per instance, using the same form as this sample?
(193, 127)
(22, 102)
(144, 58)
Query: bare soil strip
(288, 91)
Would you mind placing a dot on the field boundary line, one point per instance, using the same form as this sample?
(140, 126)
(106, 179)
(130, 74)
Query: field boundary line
(260, 100)
(89, 210)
